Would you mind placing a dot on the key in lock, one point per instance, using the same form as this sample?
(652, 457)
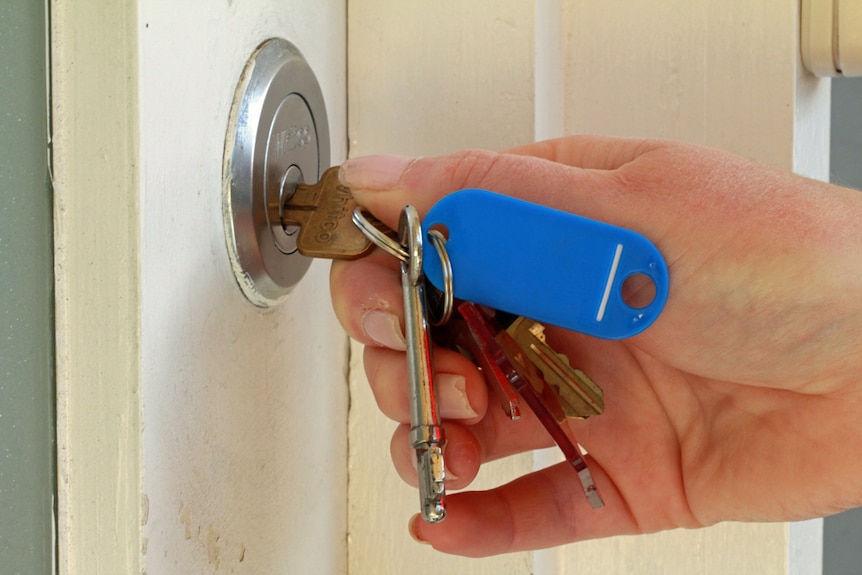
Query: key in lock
(323, 212)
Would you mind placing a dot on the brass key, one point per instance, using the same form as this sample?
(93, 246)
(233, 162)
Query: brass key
(323, 212)
(578, 395)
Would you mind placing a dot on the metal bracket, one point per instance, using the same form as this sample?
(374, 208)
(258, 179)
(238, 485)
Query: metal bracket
(277, 137)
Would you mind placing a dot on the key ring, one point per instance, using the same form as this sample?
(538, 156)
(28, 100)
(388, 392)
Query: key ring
(377, 237)
(392, 247)
(438, 240)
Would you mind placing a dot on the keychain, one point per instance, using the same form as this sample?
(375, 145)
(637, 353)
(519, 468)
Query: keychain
(551, 266)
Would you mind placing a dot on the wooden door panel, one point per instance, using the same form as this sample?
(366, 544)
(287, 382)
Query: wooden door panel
(198, 433)
(496, 74)
(244, 446)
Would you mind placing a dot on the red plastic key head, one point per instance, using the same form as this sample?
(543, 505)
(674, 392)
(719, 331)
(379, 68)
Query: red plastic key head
(470, 333)
(505, 358)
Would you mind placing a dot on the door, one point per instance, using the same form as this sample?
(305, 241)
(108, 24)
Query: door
(197, 433)
(496, 74)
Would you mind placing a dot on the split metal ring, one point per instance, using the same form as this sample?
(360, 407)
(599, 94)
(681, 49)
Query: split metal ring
(377, 237)
(438, 240)
(366, 223)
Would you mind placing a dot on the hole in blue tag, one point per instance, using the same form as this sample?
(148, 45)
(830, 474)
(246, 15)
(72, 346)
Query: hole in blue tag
(444, 231)
(638, 290)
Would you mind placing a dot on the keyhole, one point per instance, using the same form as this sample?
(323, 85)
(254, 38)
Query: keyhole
(292, 178)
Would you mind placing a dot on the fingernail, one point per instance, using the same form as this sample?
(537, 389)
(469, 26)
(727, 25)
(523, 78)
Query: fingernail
(384, 328)
(412, 528)
(451, 476)
(374, 172)
(452, 393)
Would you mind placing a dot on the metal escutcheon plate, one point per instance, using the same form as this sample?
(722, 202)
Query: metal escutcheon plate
(277, 137)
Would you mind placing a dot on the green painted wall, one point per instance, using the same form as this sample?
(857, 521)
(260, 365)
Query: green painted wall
(846, 160)
(27, 437)
(842, 552)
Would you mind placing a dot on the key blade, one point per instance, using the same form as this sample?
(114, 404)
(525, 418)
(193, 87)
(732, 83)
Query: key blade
(588, 484)
(570, 450)
(528, 371)
(578, 395)
(324, 214)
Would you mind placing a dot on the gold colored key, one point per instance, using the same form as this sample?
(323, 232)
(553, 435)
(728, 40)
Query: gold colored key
(578, 395)
(323, 212)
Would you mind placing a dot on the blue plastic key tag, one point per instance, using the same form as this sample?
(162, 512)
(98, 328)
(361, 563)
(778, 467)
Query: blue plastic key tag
(551, 266)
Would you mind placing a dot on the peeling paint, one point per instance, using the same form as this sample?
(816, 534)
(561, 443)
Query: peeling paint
(186, 519)
(145, 509)
(212, 545)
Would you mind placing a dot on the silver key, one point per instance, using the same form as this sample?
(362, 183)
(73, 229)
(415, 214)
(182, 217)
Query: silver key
(426, 434)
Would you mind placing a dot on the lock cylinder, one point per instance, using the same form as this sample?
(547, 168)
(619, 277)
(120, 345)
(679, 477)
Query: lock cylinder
(277, 137)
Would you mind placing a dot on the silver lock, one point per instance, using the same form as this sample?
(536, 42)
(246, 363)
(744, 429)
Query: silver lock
(277, 137)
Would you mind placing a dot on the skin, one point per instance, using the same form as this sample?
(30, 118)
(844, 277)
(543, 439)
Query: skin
(740, 403)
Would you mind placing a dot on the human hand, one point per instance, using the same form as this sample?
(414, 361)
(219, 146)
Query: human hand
(741, 402)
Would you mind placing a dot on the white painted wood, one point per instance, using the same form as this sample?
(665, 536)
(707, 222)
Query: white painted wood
(197, 433)
(805, 547)
(725, 74)
(380, 503)
(849, 34)
(549, 55)
(725, 548)
(817, 37)
(243, 411)
(427, 78)
(831, 35)
(431, 77)
(95, 149)
(220, 428)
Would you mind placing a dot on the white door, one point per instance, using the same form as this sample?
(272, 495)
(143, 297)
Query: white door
(197, 433)
(428, 78)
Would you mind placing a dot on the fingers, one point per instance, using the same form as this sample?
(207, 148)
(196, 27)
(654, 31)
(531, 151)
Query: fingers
(463, 456)
(384, 184)
(590, 151)
(461, 389)
(470, 446)
(575, 174)
(543, 509)
(367, 299)
(476, 431)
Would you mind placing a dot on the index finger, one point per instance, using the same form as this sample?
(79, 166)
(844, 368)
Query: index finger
(539, 510)
(385, 184)
(589, 152)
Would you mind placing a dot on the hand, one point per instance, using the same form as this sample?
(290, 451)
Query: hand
(742, 402)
